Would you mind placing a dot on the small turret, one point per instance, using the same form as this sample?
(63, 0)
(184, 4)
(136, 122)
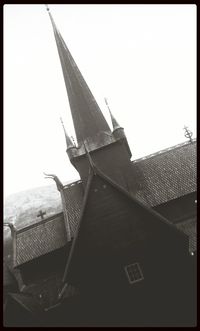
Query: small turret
(115, 124)
(118, 131)
(71, 148)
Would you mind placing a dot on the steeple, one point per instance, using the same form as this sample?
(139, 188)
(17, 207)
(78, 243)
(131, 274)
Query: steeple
(89, 122)
(118, 131)
(115, 124)
(69, 143)
(71, 148)
(95, 141)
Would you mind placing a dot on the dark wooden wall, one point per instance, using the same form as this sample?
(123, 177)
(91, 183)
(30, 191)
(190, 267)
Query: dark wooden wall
(115, 233)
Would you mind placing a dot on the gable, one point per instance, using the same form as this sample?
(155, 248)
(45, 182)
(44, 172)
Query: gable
(111, 222)
(109, 216)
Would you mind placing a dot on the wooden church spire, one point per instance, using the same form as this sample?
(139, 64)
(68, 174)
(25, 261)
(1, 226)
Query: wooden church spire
(88, 119)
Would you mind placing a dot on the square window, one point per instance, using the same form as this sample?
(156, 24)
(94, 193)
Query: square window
(134, 273)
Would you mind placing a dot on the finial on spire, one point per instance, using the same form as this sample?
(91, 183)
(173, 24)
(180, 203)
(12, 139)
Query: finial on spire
(68, 140)
(47, 8)
(106, 102)
(73, 141)
(188, 134)
(62, 123)
(115, 124)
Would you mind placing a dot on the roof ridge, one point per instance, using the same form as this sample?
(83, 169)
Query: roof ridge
(162, 151)
(47, 219)
(76, 182)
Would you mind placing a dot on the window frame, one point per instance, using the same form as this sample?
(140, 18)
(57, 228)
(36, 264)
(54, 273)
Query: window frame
(130, 273)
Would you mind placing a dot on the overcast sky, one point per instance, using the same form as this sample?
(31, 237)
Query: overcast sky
(141, 57)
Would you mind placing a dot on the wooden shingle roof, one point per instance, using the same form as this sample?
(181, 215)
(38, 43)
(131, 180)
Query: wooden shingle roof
(39, 239)
(159, 178)
(73, 196)
(166, 175)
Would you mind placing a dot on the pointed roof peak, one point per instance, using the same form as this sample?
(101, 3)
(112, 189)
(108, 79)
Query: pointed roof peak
(47, 7)
(88, 119)
(67, 138)
(115, 124)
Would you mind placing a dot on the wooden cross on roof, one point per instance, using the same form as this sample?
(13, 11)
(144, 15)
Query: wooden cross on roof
(41, 214)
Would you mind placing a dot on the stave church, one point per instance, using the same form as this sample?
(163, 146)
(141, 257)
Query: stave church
(123, 250)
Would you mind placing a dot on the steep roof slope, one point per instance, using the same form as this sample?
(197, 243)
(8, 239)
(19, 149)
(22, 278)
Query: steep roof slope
(166, 175)
(39, 239)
